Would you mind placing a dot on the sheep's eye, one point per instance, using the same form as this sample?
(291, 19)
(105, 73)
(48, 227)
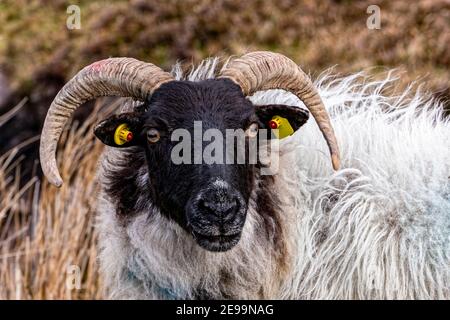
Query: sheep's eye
(252, 130)
(153, 135)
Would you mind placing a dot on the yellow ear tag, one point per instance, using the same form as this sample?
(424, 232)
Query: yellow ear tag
(122, 134)
(282, 124)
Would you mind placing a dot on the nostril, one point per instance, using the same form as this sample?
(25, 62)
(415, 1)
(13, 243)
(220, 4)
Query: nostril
(218, 207)
(203, 205)
(230, 209)
(206, 205)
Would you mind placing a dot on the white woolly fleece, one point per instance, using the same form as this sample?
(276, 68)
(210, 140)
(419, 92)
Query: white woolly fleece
(379, 228)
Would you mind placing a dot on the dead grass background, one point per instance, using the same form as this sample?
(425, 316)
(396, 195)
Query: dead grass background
(44, 230)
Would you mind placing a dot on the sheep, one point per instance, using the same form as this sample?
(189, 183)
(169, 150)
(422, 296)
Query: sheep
(375, 227)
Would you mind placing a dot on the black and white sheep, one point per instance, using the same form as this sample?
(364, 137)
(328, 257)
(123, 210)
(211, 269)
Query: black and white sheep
(379, 227)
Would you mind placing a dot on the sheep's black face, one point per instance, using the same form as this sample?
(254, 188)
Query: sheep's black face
(208, 200)
(205, 192)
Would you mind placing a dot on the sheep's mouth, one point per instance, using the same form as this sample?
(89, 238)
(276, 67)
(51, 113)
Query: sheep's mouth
(219, 243)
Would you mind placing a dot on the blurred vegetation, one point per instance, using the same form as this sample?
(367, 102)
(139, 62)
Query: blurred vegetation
(47, 235)
(317, 34)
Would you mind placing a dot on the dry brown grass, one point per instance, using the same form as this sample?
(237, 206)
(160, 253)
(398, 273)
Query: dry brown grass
(44, 230)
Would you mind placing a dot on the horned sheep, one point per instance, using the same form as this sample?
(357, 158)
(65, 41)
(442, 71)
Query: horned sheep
(374, 225)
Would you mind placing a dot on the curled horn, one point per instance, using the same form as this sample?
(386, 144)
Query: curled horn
(124, 77)
(262, 70)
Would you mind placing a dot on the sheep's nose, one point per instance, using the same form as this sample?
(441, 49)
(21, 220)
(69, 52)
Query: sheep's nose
(218, 207)
(220, 202)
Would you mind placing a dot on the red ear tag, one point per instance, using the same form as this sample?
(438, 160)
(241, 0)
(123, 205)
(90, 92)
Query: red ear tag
(130, 136)
(273, 124)
(122, 134)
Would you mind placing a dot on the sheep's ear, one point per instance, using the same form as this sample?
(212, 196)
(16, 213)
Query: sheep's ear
(121, 130)
(287, 119)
